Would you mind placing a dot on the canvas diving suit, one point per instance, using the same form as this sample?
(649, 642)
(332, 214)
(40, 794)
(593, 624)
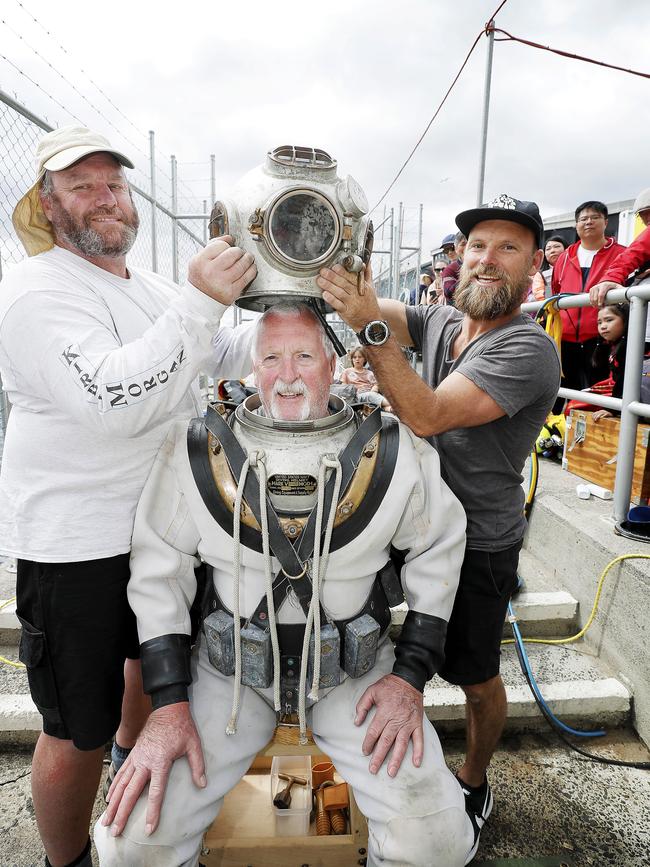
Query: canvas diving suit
(248, 496)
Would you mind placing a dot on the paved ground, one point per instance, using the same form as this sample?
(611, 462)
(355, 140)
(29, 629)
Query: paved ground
(548, 801)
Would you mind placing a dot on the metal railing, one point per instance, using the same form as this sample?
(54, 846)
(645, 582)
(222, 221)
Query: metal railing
(629, 405)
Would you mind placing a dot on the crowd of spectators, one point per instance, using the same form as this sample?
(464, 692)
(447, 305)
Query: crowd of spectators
(595, 263)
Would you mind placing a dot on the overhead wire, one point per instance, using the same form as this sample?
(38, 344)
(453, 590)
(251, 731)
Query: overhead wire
(42, 89)
(508, 37)
(483, 32)
(62, 48)
(73, 86)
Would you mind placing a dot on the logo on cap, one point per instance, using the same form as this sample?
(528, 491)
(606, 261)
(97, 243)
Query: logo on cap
(503, 201)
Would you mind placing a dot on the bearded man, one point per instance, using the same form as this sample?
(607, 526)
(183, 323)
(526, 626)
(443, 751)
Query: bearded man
(489, 377)
(97, 358)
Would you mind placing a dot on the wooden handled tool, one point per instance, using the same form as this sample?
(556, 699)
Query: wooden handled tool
(283, 799)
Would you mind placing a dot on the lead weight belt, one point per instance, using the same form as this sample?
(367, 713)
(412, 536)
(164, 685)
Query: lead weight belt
(291, 634)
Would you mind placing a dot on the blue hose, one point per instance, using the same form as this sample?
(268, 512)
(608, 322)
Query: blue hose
(523, 656)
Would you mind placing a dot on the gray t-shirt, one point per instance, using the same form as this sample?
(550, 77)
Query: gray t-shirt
(517, 364)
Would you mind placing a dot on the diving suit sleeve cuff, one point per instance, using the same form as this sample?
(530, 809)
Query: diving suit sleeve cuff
(419, 652)
(166, 672)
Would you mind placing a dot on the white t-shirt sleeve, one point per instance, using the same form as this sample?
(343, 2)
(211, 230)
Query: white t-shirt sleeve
(63, 348)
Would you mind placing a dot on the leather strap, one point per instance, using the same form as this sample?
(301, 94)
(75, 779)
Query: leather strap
(291, 559)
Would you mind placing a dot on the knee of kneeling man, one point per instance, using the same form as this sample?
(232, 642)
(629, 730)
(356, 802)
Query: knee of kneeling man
(120, 851)
(440, 839)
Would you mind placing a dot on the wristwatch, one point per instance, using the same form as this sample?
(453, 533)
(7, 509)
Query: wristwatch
(375, 333)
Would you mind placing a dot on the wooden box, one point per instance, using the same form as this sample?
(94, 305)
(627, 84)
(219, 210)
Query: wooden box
(590, 451)
(243, 834)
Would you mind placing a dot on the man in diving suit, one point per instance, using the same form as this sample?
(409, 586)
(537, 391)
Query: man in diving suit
(289, 465)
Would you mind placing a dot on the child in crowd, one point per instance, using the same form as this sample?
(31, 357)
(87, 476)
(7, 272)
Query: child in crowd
(363, 379)
(612, 329)
(609, 353)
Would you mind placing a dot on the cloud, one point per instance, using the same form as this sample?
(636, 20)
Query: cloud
(361, 81)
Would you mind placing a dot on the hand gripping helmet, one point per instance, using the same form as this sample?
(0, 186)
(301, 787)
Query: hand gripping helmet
(295, 215)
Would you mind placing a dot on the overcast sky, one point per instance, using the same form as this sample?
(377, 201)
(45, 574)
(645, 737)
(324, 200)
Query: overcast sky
(359, 79)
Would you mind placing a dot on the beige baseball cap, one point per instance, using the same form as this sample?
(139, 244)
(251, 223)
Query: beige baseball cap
(56, 151)
(642, 201)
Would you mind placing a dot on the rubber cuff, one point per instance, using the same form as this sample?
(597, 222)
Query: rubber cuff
(166, 672)
(419, 651)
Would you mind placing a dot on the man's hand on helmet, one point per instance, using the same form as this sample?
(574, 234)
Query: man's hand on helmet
(221, 270)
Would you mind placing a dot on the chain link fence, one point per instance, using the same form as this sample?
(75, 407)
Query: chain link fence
(168, 250)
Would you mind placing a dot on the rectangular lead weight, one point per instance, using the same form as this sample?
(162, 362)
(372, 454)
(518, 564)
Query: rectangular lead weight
(361, 640)
(219, 632)
(330, 658)
(256, 658)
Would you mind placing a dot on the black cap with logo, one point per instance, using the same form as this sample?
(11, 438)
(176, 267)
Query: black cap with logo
(504, 207)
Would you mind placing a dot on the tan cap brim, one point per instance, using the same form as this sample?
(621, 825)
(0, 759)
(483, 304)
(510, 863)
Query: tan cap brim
(31, 225)
(71, 155)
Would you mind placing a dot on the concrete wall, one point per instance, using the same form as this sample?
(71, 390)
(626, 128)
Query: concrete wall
(574, 541)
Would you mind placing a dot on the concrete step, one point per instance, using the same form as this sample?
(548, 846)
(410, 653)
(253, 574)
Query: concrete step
(9, 624)
(537, 576)
(574, 539)
(543, 614)
(574, 684)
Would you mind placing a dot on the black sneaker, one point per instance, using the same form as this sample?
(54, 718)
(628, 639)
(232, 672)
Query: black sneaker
(478, 804)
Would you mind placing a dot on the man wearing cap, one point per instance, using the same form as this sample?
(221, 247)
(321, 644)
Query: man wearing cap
(490, 376)
(97, 360)
(451, 274)
(580, 267)
(447, 245)
(635, 258)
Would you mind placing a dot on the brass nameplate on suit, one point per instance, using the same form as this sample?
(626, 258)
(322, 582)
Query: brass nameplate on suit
(282, 484)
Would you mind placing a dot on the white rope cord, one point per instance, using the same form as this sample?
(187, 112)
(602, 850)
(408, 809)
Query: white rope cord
(319, 570)
(231, 728)
(259, 462)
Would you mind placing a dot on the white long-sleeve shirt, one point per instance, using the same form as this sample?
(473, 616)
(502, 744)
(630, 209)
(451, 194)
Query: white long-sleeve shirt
(96, 367)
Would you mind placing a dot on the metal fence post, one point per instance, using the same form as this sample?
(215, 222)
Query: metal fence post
(392, 252)
(152, 183)
(213, 180)
(486, 113)
(398, 247)
(174, 221)
(631, 392)
(419, 265)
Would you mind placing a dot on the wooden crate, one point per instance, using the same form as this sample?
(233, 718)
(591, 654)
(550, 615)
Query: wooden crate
(243, 834)
(590, 450)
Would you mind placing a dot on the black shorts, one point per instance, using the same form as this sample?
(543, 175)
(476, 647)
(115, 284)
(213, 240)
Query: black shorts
(77, 631)
(473, 644)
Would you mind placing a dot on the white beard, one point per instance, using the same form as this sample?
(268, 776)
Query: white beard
(297, 387)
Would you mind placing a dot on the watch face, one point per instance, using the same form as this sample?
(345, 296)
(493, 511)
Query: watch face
(376, 332)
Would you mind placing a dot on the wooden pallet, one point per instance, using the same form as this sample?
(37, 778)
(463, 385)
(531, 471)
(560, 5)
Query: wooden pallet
(591, 448)
(243, 834)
